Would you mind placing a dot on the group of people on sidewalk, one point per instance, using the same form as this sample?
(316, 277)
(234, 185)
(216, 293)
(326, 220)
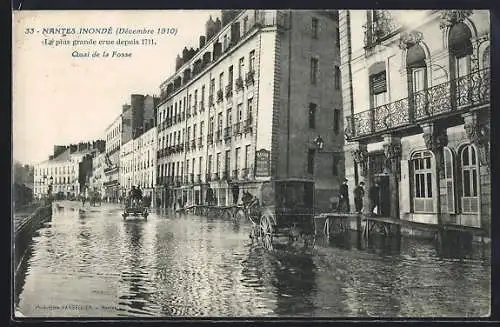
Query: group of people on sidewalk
(359, 193)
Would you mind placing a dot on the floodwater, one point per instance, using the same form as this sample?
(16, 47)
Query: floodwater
(95, 264)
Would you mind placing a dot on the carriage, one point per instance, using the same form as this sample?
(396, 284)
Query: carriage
(281, 209)
(135, 208)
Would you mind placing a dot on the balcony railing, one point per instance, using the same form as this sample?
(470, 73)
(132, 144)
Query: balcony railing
(239, 83)
(229, 91)
(220, 96)
(452, 97)
(381, 26)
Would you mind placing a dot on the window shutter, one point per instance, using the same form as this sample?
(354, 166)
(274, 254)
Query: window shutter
(404, 187)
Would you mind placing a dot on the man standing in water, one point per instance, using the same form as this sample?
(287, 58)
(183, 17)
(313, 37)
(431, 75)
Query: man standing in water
(344, 197)
(359, 193)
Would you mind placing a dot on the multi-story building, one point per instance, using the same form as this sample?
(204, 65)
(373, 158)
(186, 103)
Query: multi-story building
(127, 166)
(97, 178)
(61, 172)
(144, 161)
(135, 118)
(262, 83)
(114, 139)
(63, 169)
(416, 90)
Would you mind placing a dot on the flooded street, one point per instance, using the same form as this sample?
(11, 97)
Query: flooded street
(95, 264)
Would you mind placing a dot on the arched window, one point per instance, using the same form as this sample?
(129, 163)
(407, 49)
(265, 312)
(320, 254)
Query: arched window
(417, 68)
(460, 47)
(470, 183)
(422, 168)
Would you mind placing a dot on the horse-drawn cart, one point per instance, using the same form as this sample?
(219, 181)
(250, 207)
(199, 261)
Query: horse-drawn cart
(135, 208)
(282, 208)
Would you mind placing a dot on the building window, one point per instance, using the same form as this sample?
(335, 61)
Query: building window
(237, 159)
(217, 163)
(241, 65)
(336, 121)
(312, 115)
(337, 78)
(230, 77)
(247, 156)
(240, 112)
(314, 70)
(449, 179)
(250, 109)
(470, 189)
(314, 27)
(251, 61)
(209, 164)
(422, 181)
(228, 163)
(310, 161)
(229, 117)
(221, 81)
(378, 89)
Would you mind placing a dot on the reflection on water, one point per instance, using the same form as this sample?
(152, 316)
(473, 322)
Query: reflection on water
(95, 264)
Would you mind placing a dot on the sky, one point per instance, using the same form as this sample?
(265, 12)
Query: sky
(58, 99)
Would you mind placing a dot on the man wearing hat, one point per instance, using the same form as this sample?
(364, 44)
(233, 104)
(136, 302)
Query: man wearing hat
(359, 193)
(344, 197)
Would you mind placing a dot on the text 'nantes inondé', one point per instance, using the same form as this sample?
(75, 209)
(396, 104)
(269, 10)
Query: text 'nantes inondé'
(100, 42)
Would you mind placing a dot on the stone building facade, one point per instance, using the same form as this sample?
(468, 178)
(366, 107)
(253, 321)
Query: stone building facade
(416, 98)
(261, 83)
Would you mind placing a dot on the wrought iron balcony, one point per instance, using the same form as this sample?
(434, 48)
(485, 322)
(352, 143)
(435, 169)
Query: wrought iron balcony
(229, 90)
(250, 78)
(381, 27)
(440, 101)
(239, 83)
(220, 96)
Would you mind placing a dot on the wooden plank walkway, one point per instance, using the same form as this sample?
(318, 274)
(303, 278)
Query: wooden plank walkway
(387, 224)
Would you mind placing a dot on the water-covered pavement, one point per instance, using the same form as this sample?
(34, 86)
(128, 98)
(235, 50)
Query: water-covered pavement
(92, 263)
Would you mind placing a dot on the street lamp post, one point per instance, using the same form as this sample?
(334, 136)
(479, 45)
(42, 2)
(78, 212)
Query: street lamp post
(320, 148)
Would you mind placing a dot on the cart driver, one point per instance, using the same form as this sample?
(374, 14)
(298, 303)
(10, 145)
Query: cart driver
(138, 193)
(131, 194)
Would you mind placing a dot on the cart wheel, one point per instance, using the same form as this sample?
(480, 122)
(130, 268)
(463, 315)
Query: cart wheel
(267, 229)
